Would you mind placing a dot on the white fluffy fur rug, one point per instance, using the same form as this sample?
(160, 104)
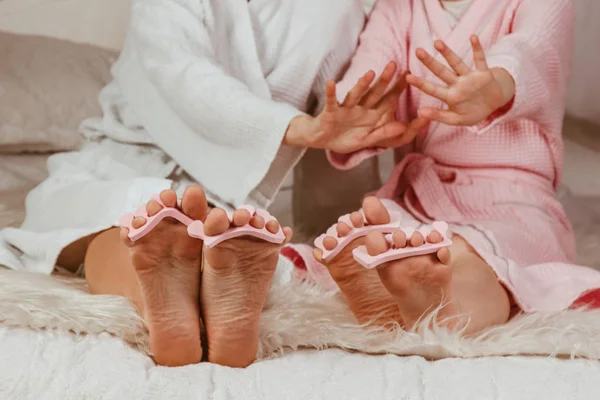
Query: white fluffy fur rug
(296, 316)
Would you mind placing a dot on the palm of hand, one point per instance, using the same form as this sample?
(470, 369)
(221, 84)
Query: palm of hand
(346, 128)
(472, 95)
(475, 96)
(365, 117)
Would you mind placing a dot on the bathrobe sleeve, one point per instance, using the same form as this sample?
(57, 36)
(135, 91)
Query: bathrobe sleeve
(537, 53)
(199, 114)
(381, 42)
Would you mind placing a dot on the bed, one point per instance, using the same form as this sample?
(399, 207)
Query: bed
(65, 351)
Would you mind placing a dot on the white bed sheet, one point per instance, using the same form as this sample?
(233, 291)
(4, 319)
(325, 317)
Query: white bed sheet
(61, 366)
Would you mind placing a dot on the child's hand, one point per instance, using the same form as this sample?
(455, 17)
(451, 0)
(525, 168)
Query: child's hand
(366, 117)
(471, 95)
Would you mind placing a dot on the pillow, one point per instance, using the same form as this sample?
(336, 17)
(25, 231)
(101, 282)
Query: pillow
(47, 87)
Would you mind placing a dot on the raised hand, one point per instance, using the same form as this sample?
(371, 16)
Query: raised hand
(471, 95)
(366, 117)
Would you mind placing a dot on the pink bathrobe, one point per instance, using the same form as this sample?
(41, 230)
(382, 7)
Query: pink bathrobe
(495, 182)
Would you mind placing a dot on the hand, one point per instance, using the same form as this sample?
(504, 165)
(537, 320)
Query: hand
(471, 95)
(366, 117)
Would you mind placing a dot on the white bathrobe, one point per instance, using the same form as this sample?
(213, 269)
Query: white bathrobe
(203, 92)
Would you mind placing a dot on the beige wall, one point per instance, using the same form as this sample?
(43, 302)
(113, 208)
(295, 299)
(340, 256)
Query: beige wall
(100, 22)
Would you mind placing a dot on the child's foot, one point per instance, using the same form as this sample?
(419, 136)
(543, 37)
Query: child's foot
(236, 278)
(167, 262)
(366, 296)
(418, 284)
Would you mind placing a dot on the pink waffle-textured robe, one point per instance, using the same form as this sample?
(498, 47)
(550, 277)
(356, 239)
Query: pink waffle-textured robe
(495, 182)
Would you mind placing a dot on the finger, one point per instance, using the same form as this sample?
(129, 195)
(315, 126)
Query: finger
(478, 54)
(439, 69)
(437, 91)
(358, 91)
(330, 97)
(454, 60)
(377, 91)
(398, 87)
(385, 133)
(443, 116)
(417, 126)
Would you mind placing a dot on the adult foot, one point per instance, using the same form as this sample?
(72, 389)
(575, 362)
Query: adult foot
(418, 284)
(167, 263)
(236, 278)
(367, 298)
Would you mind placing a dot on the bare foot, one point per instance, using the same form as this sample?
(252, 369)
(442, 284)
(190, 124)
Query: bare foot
(366, 296)
(418, 284)
(167, 263)
(236, 278)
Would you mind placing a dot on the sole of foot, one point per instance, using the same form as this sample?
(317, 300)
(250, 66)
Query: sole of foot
(365, 294)
(236, 278)
(167, 264)
(417, 284)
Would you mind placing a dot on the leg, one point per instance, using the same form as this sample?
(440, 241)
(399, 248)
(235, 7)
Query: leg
(456, 277)
(236, 278)
(160, 274)
(366, 296)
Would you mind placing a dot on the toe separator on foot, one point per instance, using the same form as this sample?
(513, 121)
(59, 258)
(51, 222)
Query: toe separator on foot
(342, 242)
(362, 256)
(135, 234)
(196, 230)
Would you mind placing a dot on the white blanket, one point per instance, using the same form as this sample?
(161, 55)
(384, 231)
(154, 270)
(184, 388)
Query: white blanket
(61, 366)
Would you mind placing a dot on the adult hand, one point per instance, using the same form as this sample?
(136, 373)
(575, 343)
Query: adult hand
(471, 95)
(366, 117)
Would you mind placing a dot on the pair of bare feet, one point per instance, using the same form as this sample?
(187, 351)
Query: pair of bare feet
(226, 286)
(401, 291)
(182, 283)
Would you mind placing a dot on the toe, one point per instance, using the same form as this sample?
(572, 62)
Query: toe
(318, 255)
(399, 239)
(376, 243)
(417, 239)
(272, 226)
(435, 237)
(194, 203)
(330, 243)
(343, 229)
(287, 231)
(216, 222)
(241, 217)
(357, 219)
(257, 221)
(444, 255)
(375, 211)
(152, 208)
(169, 198)
(138, 222)
(124, 236)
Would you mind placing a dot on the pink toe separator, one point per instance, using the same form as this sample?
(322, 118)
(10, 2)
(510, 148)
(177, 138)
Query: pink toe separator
(151, 222)
(363, 258)
(196, 228)
(355, 233)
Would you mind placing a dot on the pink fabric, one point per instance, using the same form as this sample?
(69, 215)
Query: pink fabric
(498, 178)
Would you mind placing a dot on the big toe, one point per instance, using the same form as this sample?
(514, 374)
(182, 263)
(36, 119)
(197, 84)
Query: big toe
(194, 203)
(376, 243)
(375, 211)
(217, 222)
